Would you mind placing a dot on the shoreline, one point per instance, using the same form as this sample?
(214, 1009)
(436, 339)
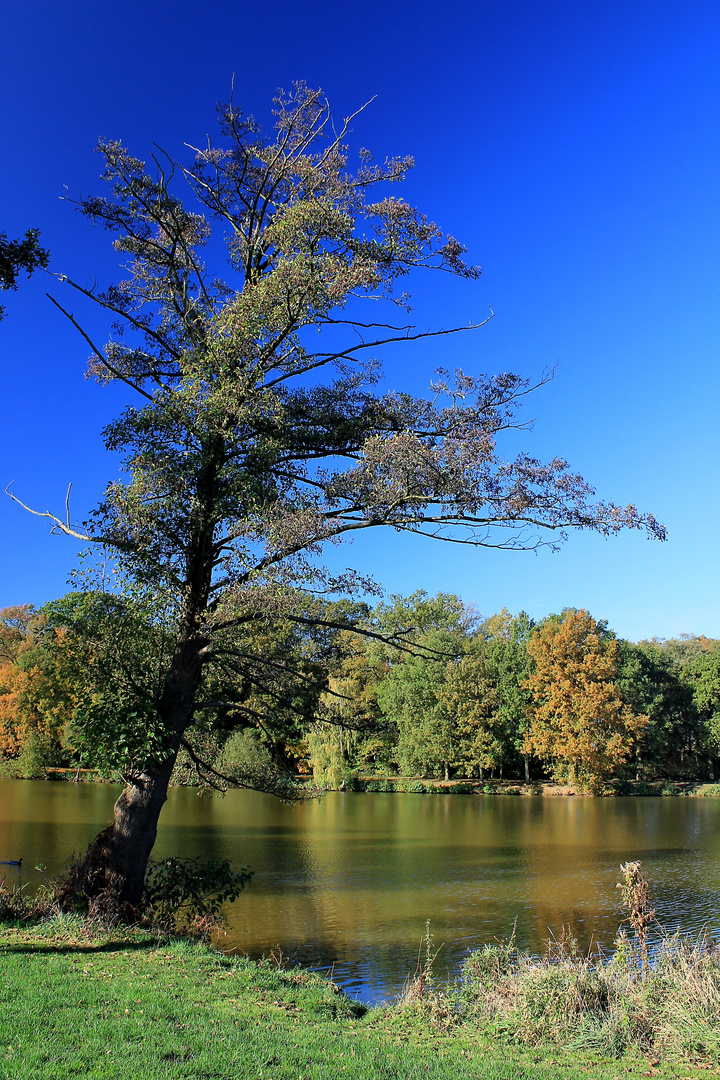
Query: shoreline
(404, 785)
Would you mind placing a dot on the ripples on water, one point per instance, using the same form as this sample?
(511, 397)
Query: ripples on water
(346, 884)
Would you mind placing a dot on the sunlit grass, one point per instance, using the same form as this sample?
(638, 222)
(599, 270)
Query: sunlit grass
(75, 1002)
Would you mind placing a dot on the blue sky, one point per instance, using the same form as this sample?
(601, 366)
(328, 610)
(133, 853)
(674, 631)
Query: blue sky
(574, 148)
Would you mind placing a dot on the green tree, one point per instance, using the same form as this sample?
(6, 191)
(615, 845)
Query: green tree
(702, 676)
(651, 684)
(416, 636)
(469, 694)
(259, 434)
(349, 730)
(507, 655)
(18, 255)
(411, 698)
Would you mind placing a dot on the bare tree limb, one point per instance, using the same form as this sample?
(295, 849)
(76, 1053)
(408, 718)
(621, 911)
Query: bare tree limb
(59, 525)
(99, 352)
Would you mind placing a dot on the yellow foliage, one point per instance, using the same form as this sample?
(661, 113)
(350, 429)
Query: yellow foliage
(578, 717)
(38, 691)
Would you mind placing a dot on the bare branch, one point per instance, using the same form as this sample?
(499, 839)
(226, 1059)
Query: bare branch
(139, 324)
(98, 352)
(59, 525)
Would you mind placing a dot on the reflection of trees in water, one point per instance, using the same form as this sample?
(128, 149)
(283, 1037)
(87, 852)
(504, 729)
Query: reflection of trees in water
(350, 881)
(573, 853)
(44, 823)
(355, 877)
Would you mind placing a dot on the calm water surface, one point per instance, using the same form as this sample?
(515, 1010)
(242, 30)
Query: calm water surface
(347, 883)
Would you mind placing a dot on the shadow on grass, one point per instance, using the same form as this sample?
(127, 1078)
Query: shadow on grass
(108, 947)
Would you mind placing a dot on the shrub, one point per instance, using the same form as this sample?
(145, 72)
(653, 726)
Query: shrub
(187, 894)
(412, 786)
(38, 753)
(245, 751)
(381, 784)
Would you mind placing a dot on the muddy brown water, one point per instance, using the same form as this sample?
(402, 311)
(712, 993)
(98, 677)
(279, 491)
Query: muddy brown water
(346, 884)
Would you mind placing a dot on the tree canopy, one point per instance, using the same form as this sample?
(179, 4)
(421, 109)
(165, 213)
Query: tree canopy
(579, 719)
(260, 433)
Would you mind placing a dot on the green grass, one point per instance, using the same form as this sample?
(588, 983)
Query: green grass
(126, 1004)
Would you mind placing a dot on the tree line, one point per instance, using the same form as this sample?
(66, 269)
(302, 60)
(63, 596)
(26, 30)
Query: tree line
(418, 686)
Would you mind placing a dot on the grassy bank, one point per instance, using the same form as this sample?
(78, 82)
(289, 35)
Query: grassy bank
(126, 1004)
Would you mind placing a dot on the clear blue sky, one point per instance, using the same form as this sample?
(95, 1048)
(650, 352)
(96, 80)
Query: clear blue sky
(573, 147)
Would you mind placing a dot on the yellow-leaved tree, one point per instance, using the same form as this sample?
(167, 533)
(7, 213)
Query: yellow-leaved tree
(38, 692)
(578, 719)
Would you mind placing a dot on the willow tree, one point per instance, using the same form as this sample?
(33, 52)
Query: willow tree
(259, 433)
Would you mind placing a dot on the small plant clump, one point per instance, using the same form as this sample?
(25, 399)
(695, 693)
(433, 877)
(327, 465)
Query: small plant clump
(182, 897)
(18, 905)
(635, 891)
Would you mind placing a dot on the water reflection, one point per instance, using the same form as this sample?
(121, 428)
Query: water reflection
(347, 883)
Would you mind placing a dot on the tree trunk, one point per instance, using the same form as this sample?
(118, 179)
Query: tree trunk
(447, 770)
(111, 875)
(110, 878)
(526, 760)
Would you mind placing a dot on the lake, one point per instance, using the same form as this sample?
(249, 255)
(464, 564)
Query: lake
(346, 884)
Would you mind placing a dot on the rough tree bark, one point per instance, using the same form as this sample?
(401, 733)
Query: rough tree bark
(110, 877)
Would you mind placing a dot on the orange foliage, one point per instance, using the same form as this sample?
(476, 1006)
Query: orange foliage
(13, 682)
(578, 718)
(38, 692)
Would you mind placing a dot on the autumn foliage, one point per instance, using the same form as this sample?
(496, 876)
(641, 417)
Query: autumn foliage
(38, 688)
(578, 719)
(14, 680)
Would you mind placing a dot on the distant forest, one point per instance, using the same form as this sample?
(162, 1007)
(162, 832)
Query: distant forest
(418, 687)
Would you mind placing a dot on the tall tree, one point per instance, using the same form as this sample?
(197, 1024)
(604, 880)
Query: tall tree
(425, 631)
(702, 676)
(650, 681)
(578, 718)
(36, 696)
(469, 694)
(411, 698)
(507, 654)
(260, 434)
